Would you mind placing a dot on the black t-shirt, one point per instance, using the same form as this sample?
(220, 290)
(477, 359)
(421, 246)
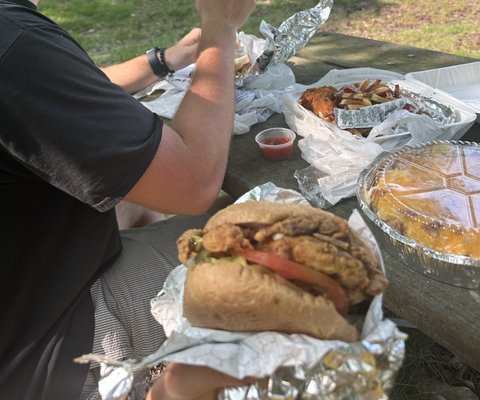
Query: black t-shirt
(72, 144)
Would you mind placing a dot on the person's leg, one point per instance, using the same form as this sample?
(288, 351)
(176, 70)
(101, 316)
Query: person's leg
(124, 326)
(130, 215)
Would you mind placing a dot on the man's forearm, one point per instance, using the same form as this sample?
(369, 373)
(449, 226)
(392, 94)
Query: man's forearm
(133, 75)
(206, 114)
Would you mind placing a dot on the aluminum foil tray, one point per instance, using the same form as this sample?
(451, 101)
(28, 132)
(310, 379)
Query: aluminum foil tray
(455, 269)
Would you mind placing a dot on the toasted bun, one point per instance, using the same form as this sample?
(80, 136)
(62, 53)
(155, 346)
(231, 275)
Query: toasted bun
(230, 296)
(241, 61)
(265, 212)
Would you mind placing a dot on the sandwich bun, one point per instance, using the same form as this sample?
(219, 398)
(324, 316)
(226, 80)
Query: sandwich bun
(242, 64)
(251, 300)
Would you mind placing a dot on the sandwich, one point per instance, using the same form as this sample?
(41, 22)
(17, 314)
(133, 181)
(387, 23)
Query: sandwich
(242, 64)
(263, 266)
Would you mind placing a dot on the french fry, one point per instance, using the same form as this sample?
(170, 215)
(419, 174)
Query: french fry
(348, 102)
(354, 106)
(380, 90)
(379, 99)
(396, 92)
(374, 86)
(366, 102)
(363, 85)
(358, 96)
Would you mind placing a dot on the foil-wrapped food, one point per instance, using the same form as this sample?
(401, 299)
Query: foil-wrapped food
(360, 106)
(424, 203)
(291, 268)
(277, 44)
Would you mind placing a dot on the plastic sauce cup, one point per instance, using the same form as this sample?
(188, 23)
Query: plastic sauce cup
(275, 144)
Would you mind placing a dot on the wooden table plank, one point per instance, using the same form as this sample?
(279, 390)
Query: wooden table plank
(342, 51)
(447, 314)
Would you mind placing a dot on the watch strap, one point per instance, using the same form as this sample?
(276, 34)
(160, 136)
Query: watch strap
(156, 59)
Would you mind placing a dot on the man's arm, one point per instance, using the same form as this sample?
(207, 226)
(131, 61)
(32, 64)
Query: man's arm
(136, 74)
(187, 171)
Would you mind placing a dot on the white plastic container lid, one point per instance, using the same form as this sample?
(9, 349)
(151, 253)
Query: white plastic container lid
(460, 81)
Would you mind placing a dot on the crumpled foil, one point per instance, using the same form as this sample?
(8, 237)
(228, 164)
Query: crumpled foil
(298, 366)
(368, 117)
(281, 43)
(295, 32)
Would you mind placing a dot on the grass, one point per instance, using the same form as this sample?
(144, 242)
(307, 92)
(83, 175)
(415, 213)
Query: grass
(443, 25)
(429, 372)
(116, 30)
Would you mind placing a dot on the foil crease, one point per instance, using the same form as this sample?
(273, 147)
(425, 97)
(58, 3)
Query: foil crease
(298, 366)
(440, 113)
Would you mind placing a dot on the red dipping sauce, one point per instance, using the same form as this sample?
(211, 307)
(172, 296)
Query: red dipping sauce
(276, 144)
(276, 141)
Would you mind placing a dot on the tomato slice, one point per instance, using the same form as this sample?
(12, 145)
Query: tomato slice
(292, 270)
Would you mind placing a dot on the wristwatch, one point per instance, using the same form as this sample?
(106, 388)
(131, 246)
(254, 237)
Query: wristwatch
(156, 59)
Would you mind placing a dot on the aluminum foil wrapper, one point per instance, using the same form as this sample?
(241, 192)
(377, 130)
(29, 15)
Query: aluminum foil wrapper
(295, 32)
(299, 366)
(368, 117)
(280, 43)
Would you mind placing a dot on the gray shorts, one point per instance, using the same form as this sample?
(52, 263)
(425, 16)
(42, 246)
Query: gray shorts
(124, 326)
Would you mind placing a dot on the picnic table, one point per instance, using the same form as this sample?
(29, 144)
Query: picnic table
(449, 315)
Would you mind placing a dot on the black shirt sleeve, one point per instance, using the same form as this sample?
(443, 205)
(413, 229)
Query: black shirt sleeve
(71, 126)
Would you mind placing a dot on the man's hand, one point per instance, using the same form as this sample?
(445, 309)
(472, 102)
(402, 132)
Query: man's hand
(184, 52)
(225, 13)
(188, 382)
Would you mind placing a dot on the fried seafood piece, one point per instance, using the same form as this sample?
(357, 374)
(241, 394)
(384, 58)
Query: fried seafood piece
(320, 101)
(187, 245)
